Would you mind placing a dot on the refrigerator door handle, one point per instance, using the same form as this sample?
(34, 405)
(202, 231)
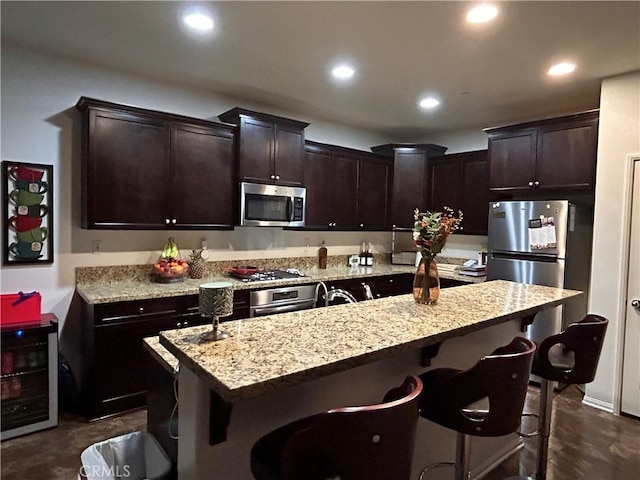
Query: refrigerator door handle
(530, 257)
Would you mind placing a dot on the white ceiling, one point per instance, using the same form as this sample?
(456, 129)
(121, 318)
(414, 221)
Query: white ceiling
(279, 53)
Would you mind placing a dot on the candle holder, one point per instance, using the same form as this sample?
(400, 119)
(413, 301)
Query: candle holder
(215, 301)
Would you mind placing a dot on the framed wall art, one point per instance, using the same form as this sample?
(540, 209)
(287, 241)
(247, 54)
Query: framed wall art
(27, 212)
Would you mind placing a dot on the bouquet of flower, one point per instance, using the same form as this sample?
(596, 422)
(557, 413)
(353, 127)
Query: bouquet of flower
(430, 233)
(431, 230)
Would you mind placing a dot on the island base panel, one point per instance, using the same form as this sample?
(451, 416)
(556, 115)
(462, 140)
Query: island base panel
(366, 384)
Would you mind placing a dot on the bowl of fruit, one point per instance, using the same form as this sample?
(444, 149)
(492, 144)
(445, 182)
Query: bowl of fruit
(170, 267)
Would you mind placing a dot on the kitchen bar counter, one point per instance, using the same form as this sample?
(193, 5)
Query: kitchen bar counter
(280, 368)
(283, 350)
(102, 291)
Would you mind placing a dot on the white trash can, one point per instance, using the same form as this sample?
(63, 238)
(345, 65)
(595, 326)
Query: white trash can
(133, 456)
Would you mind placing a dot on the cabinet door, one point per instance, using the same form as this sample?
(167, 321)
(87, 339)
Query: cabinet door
(373, 194)
(567, 155)
(343, 189)
(202, 187)
(445, 187)
(475, 193)
(389, 285)
(409, 182)
(121, 364)
(289, 148)
(512, 160)
(317, 168)
(127, 164)
(256, 150)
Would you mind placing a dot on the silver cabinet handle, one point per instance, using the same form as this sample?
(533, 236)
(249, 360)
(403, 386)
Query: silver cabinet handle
(277, 177)
(536, 183)
(531, 184)
(635, 303)
(173, 220)
(273, 177)
(362, 225)
(141, 310)
(167, 221)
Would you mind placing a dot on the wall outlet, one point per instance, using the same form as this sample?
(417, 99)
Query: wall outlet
(96, 247)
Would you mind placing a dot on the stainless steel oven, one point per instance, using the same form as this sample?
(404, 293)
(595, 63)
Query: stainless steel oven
(280, 300)
(272, 205)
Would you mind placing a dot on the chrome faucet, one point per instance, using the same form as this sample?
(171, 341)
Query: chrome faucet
(330, 295)
(339, 293)
(326, 296)
(368, 294)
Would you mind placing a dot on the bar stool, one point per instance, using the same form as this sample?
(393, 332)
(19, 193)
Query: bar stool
(584, 339)
(373, 442)
(501, 377)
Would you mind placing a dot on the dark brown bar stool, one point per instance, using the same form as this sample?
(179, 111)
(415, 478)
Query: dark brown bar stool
(584, 339)
(449, 395)
(373, 442)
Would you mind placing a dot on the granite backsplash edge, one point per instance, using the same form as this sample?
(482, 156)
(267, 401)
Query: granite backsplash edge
(120, 273)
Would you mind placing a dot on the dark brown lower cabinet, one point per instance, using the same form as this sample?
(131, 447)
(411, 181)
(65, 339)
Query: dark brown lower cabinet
(113, 363)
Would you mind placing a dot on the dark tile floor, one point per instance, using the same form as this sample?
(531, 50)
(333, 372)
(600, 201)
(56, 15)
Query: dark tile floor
(55, 454)
(586, 444)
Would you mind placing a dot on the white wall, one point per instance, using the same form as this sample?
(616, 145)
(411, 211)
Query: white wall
(40, 125)
(619, 135)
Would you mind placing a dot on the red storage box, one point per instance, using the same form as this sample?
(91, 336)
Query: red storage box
(20, 308)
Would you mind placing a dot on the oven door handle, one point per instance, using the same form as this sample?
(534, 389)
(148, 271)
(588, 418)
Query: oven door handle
(290, 307)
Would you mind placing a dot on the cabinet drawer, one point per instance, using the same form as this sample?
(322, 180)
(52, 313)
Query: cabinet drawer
(136, 310)
(392, 285)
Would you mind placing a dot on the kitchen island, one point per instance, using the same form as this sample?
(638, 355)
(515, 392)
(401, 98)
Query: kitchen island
(283, 367)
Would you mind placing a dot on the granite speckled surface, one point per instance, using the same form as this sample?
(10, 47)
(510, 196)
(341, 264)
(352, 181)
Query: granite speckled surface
(117, 284)
(275, 351)
(161, 354)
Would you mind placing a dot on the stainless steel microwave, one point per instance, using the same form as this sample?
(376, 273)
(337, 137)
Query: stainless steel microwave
(272, 205)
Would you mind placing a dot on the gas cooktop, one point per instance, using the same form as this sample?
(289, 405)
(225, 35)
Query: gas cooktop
(269, 275)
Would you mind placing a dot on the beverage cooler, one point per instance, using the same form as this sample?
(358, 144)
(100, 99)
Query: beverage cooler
(29, 377)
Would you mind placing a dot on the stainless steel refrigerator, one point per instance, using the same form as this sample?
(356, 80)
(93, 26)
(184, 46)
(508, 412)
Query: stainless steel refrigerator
(543, 243)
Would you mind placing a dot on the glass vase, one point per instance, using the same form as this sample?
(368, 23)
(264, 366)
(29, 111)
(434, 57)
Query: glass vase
(426, 283)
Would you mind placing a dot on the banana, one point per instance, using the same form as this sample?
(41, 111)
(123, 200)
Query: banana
(170, 249)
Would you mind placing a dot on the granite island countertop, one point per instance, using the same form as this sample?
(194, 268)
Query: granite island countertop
(105, 290)
(276, 351)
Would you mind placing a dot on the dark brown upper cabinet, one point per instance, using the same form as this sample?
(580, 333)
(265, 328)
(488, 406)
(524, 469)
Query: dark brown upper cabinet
(410, 186)
(270, 148)
(549, 157)
(375, 180)
(145, 170)
(461, 181)
(347, 189)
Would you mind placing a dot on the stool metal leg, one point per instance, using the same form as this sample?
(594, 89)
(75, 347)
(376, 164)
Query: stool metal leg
(544, 427)
(463, 456)
(462, 464)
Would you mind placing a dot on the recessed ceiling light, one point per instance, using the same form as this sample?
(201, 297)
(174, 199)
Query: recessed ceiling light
(198, 21)
(562, 68)
(429, 103)
(482, 13)
(343, 71)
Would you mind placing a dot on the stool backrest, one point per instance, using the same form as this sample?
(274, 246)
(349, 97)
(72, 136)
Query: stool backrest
(372, 442)
(501, 377)
(584, 339)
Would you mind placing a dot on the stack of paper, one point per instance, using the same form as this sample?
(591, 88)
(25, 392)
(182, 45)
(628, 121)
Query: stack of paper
(474, 270)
